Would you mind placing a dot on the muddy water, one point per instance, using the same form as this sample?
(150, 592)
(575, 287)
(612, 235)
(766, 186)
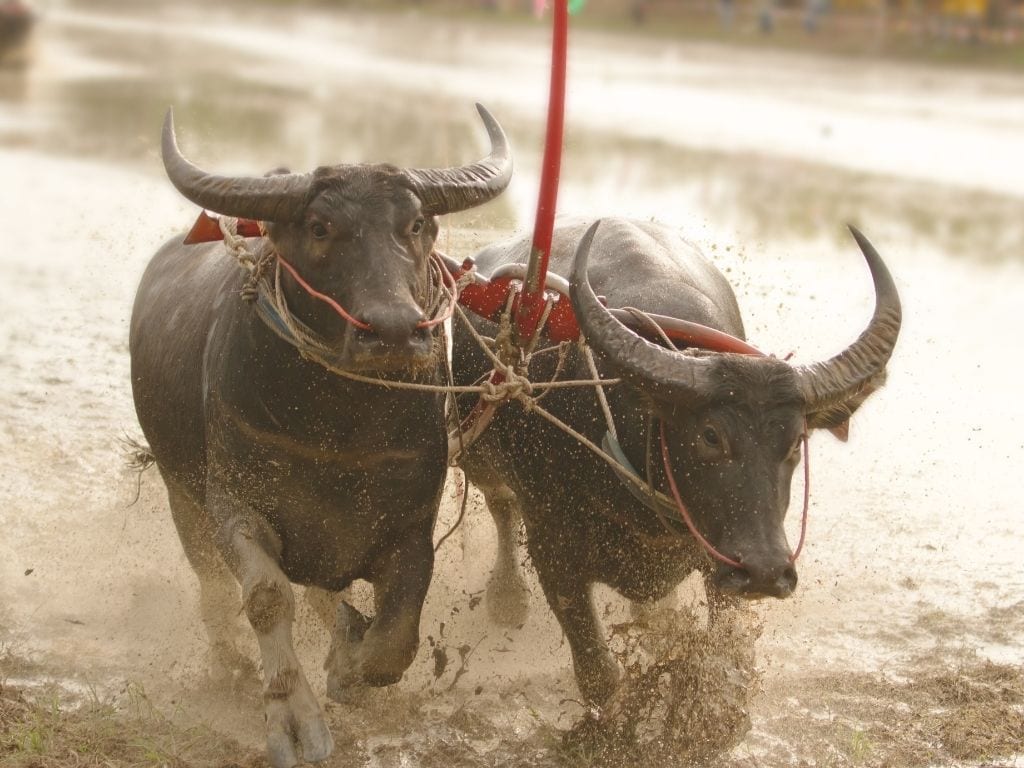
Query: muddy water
(912, 562)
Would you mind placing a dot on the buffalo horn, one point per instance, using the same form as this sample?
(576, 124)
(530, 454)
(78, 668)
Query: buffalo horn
(844, 377)
(447, 190)
(271, 198)
(653, 369)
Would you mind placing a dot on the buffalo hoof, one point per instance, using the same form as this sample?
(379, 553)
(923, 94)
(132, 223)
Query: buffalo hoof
(345, 683)
(296, 729)
(598, 676)
(508, 600)
(349, 692)
(365, 653)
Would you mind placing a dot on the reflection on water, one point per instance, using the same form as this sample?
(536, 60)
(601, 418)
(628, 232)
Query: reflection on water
(653, 130)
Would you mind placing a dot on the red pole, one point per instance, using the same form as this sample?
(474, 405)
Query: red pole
(531, 302)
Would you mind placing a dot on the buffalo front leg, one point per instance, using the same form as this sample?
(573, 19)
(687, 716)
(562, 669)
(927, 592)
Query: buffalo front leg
(294, 718)
(597, 673)
(377, 652)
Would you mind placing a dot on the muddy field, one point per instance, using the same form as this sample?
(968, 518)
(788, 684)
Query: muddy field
(904, 645)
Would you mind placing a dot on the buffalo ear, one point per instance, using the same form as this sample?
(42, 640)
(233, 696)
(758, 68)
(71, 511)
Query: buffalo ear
(836, 418)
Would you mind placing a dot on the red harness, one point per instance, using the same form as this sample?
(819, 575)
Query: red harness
(487, 298)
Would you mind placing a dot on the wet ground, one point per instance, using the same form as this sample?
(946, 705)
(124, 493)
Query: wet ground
(909, 621)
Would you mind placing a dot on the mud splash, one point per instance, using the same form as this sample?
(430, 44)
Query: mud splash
(686, 692)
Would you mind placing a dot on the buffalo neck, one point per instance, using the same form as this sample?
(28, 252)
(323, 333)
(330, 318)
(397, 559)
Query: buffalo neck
(266, 379)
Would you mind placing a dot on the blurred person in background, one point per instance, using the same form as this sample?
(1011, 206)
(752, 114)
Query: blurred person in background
(727, 13)
(814, 11)
(16, 20)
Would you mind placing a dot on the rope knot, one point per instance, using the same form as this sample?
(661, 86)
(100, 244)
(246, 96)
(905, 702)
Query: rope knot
(513, 387)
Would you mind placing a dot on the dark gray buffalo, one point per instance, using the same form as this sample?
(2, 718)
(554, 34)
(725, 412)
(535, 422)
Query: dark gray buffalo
(277, 469)
(733, 425)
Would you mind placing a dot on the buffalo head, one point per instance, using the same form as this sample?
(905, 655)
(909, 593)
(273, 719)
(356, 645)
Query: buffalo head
(733, 424)
(359, 234)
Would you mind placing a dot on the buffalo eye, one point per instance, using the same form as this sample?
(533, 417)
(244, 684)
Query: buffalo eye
(417, 226)
(710, 437)
(318, 230)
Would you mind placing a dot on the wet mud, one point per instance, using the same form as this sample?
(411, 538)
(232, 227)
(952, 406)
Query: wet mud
(902, 645)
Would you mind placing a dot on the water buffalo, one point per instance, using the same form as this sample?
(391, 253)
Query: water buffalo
(732, 425)
(279, 470)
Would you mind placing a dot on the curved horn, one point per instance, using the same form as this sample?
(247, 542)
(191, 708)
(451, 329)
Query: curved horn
(271, 198)
(447, 190)
(656, 370)
(845, 375)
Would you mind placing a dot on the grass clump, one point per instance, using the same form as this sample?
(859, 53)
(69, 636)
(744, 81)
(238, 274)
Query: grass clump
(51, 729)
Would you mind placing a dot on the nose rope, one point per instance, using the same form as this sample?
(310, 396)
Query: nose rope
(447, 284)
(236, 244)
(685, 514)
(683, 511)
(807, 496)
(321, 296)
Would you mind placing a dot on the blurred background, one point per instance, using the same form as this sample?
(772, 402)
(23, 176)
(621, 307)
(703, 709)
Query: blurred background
(756, 128)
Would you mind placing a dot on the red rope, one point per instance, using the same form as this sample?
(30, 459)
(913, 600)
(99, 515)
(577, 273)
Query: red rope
(685, 514)
(321, 296)
(682, 507)
(448, 285)
(807, 497)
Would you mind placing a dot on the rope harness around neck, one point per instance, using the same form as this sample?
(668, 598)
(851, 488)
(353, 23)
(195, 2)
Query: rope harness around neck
(272, 304)
(513, 384)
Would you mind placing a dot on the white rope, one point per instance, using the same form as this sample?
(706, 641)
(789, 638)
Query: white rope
(235, 243)
(509, 360)
(600, 392)
(515, 385)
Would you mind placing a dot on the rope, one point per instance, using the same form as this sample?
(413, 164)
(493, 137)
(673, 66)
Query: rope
(507, 380)
(708, 546)
(340, 310)
(461, 489)
(639, 314)
(588, 443)
(238, 247)
(600, 392)
(311, 347)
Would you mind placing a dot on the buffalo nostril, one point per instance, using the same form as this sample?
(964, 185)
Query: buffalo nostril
(732, 580)
(755, 582)
(786, 583)
(395, 326)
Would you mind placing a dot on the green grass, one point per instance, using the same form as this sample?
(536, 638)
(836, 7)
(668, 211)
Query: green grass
(52, 729)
